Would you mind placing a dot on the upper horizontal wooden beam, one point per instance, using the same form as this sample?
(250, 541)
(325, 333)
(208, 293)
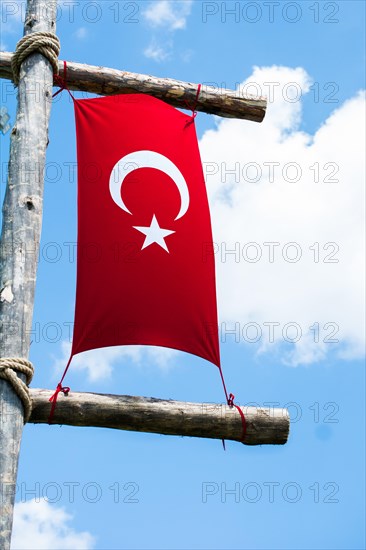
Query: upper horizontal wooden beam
(103, 81)
(147, 414)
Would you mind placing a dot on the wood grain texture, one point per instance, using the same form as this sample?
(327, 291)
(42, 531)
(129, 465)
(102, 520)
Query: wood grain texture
(147, 414)
(104, 81)
(21, 230)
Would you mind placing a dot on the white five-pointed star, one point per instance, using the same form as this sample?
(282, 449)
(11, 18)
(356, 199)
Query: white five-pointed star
(154, 234)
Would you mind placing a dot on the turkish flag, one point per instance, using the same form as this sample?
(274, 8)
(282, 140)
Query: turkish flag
(145, 263)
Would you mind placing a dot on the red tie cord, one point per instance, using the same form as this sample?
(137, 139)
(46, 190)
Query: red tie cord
(230, 401)
(61, 81)
(60, 388)
(193, 109)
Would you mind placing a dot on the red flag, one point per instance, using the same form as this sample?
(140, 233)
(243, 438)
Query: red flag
(145, 264)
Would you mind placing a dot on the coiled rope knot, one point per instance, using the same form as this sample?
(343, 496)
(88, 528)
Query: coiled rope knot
(46, 43)
(7, 367)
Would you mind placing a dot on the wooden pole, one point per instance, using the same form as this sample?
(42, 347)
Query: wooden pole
(146, 414)
(21, 230)
(104, 81)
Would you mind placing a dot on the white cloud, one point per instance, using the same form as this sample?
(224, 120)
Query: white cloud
(168, 16)
(41, 526)
(161, 357)
(171, 14)
(277, 210)
(99, 363)
(81, 33)
(158, 53)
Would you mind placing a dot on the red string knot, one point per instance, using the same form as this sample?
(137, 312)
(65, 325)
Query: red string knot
(64, 389)
(53, 399)
(230, 401)
(62, 82)
(193, 109)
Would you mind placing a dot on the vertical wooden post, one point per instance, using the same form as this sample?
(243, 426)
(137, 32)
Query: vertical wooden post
(22, 220)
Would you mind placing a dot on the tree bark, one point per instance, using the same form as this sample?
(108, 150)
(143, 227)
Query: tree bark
(104, 81)
(147, 414)
(22, 220)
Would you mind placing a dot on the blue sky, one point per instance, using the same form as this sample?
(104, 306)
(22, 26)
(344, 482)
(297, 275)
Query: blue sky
(292, 185)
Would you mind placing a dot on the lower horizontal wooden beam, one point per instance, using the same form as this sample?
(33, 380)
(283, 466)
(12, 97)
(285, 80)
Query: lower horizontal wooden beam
(147, 414)
(105, 81)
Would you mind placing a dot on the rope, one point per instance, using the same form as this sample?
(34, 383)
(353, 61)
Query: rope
(7, 367)
(45, 43)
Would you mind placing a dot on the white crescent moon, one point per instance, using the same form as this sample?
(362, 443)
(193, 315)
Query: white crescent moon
(147, 159)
